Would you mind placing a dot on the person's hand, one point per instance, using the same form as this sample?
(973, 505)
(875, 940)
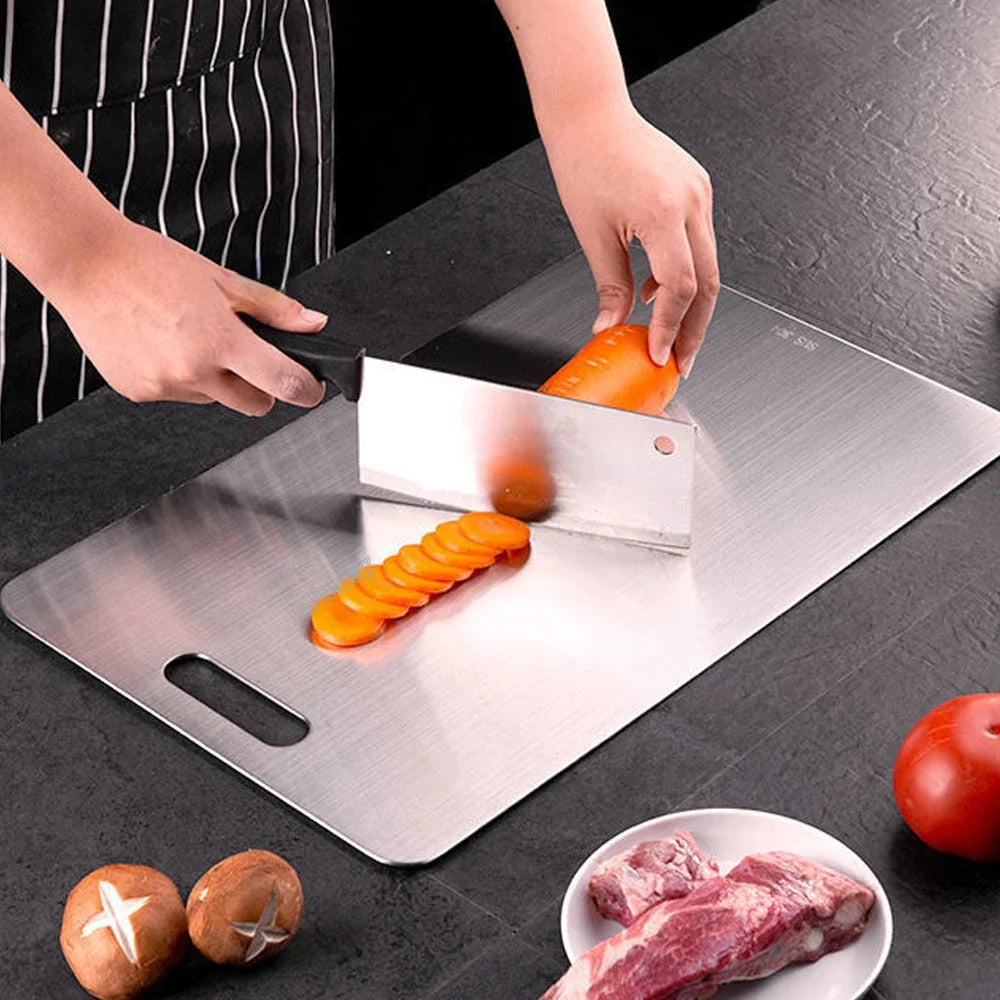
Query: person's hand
(620, 178)
(159, 322)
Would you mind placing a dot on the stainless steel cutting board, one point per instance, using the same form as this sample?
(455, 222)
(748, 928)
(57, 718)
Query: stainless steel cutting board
(810, 452)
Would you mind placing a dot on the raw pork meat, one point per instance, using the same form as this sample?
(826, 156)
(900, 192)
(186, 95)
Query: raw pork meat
(772, 910)
(625, 886)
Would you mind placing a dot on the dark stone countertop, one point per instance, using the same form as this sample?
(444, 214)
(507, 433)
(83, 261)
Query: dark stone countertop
(856, 162)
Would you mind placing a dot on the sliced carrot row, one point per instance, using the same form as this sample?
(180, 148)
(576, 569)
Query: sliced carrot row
(358, 611)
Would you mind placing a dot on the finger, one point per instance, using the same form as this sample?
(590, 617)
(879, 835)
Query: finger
(649, 287)
(609, 261)
(271, 306)
(710, 212)
(184, 396)
(156, 392)
(273, 372)
(698, 316)
(674, 272)
(236, 393)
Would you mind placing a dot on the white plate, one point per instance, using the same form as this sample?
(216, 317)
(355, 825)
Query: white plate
(729, 835)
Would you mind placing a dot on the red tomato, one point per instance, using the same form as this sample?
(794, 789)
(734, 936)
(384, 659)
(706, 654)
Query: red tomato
(947, 777)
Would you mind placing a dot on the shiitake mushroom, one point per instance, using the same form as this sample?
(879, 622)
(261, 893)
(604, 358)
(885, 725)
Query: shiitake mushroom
(124, 927)
(245, 909)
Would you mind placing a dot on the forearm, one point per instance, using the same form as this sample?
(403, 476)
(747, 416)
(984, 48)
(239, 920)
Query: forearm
(53, 221)
(570, 59)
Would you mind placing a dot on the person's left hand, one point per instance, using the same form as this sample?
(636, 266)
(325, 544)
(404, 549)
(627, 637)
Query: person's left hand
(620, 178)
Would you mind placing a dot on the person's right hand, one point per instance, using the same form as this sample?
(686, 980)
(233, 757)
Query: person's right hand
(619, 177)
(160, 322)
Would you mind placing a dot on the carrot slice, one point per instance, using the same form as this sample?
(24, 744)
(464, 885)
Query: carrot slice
(414, 560)
(373, 581)
(357, 600)
(449, 534)
(488, 528)
(395, 572)
(318, 640)
(431, 544)
(615, 369)
(335, 624)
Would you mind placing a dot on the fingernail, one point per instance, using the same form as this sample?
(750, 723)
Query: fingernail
(660, 355)
(685, 367)
(314, 318)
(605, 318)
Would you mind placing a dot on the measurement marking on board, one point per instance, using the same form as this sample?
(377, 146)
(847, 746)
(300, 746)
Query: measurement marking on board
(795, 339)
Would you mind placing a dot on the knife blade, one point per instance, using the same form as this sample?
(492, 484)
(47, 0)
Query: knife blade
(469, 444)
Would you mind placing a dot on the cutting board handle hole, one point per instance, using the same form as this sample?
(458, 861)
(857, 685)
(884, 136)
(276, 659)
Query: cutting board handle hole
(222, 691)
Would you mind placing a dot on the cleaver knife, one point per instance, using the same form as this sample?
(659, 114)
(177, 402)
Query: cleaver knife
(463, 443)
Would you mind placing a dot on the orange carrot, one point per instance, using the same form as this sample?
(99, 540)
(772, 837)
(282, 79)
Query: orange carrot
(414, 560)
(431, 544)
(488, 528)
(373, 581)
(395, 572)
(450, 536)
(357, 600)
(335, 624)
(615, 369)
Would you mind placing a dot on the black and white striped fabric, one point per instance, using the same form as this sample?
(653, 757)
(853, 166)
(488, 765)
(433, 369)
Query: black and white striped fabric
(209, 120)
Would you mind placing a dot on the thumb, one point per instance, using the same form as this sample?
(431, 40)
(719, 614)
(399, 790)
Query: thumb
(609, 261)
(270, 306)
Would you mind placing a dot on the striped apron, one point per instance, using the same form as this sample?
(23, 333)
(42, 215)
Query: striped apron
(209, 120)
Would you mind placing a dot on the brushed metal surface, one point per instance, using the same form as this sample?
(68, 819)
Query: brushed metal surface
(809, 453)
(455, 441)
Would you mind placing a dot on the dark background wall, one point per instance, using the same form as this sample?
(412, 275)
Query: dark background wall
(428, 93)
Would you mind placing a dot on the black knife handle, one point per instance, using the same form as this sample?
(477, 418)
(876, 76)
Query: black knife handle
(327, 359)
